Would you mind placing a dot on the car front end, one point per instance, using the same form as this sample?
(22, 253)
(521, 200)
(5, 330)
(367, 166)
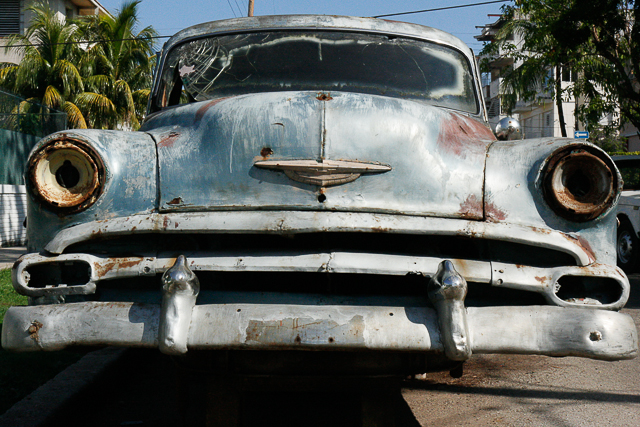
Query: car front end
(342, 216)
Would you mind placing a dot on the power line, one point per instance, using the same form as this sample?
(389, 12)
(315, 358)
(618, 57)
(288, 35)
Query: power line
(239, 9)
(441, 8)
(231, 7)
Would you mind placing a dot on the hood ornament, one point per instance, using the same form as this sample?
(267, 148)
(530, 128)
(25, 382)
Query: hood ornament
(324, 173)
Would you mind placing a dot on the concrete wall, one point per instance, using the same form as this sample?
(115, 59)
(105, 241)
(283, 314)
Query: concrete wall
(13, 205)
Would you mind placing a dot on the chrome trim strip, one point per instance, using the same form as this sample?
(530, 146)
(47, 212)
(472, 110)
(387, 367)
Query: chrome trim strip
(290, 222)
(543, 281)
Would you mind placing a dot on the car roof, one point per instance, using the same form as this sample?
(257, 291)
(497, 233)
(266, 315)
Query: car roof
(320, 22)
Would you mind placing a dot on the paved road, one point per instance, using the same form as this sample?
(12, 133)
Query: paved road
(9, 255)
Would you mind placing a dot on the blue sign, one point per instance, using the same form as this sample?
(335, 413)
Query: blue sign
(581, 134)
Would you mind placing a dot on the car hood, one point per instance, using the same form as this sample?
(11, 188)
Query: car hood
(320, 151)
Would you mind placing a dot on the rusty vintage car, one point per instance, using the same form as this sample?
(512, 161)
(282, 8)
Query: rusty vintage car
(327, 187)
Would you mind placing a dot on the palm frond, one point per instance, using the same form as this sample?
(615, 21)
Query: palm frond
(67, 73)
(99, 84)
(52, 98)
(30, 75)
(98, 109)
(74, 116)
(8, 74)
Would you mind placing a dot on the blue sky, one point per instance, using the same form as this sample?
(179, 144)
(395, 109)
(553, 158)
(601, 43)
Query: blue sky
(170, 16)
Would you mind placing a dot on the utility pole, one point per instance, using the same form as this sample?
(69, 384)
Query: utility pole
(250, 8)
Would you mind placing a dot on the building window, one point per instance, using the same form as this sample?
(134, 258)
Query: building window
(9, 17)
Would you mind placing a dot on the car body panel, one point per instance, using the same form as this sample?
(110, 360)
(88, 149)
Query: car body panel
(231, 134)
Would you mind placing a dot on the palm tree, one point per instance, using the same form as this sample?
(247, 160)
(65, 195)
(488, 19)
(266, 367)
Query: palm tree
(46, 74)
(96, 69)
(117, 68)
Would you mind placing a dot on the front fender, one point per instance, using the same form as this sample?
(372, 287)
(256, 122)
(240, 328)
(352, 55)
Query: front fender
(514, 194)
(130, 186)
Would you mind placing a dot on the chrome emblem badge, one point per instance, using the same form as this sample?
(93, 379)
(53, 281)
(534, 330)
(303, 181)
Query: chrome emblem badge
(324, 173)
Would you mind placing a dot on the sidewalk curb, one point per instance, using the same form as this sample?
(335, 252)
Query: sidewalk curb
(35, 409)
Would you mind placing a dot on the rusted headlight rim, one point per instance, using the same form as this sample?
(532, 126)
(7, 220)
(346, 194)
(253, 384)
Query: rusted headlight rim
(604, 184)
(78, 197)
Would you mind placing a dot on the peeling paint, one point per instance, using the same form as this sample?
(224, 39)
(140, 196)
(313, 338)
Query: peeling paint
(169, 140)
(305, 331)
(324, 97)
(492, 213)
(471, 207)
(584, 244)
(459, 135)
(203, 110)
(102, 269)
(34, 330)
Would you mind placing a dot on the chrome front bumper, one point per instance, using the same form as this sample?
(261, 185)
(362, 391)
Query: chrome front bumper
(553, 331)
(178, 324)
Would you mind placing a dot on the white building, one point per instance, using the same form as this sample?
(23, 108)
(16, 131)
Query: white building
(538, 118)
(14, 19)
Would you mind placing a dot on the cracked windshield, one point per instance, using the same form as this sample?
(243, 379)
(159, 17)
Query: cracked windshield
(223, 66)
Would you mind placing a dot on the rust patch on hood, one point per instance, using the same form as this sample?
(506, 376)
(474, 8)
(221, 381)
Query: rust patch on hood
(493, 213)
(169, 140)
(471, 208)
(203, 110)
(459, 134)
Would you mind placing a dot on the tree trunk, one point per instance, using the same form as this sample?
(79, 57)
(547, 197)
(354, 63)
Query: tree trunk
(563, 128)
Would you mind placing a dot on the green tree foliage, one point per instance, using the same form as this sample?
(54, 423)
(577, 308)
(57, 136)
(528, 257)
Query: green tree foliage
(97, 69)
(538, 58)
(605, 31)
(117, 67)
(596, 39)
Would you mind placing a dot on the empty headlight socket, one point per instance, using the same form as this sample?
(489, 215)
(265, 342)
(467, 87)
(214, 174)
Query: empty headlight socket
(579, 183)
(66, 175)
